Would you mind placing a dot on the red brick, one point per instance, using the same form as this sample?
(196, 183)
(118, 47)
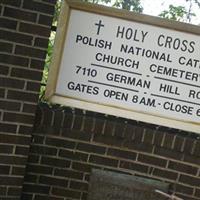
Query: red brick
(4, 70)
(60, 142)
(11, 83)
(32, 188)
(41, 42)
(33, 86)
(99, 125)
(159, 138)
(47, 180)
(109, 128)
(8, 128)
(25, 130)
(129, 132)
(23, 96)
(29, 108)
(165, 174)
(33, 159)
(68, 120)
(45, 20)
(188, 169)
(189, 145)
(76, 185)
(109, 140)
(73, 155)
(66, 193)
(197, 192)
(38, 139)
(4, 169)
(78, 121)
(148, 136)
(138, 134)
(37, 6)
(14, 191)
(3, 190)
(178, 145)
(90, 148)
(6, 149)
(197, 149)
(74, 134)
(193, 181)
(122, 154)
(6, 47)
(2, 93)
(11, 2)
(43, 150)
(19, 14)
(34, 29)
(58, 118)
(14, 139)
(6, 180)
(7, 23)
(26, 196)
(168, 140)
(138, 146)
(151, 160)
(29, 51)
(19, 171)
(54, 162)
(88, 124)
(50, 1)
(168, 153)
(39, 169)
(20, 118)
(22, 150)
(134, 166)
(183, 189)
(68, 174)
(119, 130)
(103, 161)
(37, 64)
(30, 178)
(47, 197)
(82, 167)
(16, 37)
(14, 60)
(191, 159)
(10, 105)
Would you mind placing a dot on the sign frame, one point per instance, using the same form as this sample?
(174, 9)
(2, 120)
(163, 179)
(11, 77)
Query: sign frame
(50, 93)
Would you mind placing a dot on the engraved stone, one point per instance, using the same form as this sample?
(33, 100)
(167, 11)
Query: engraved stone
(115, 186)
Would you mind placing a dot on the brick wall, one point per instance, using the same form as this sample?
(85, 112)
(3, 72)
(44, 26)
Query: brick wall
(68, 143)
(24, 31)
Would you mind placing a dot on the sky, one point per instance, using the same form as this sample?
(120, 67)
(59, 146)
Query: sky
(155, 7)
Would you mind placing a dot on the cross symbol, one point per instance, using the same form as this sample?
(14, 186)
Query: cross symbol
(99, 24)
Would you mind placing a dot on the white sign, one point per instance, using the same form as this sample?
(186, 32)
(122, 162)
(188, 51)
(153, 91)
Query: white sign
(131, 66)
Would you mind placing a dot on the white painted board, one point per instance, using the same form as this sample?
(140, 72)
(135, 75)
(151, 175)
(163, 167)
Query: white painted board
(131, 66)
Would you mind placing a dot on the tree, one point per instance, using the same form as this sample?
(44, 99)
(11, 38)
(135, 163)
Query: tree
(177, 13)
(180, 13)
(132, 5)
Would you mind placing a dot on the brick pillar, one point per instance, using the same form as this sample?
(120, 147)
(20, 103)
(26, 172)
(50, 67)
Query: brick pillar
(24, 30)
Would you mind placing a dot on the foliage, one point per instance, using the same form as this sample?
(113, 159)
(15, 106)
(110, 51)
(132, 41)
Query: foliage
(180, 13)
(177, 13)
(46, 66)
(132, 5)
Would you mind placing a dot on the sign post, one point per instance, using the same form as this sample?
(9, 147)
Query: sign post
(128, 65)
